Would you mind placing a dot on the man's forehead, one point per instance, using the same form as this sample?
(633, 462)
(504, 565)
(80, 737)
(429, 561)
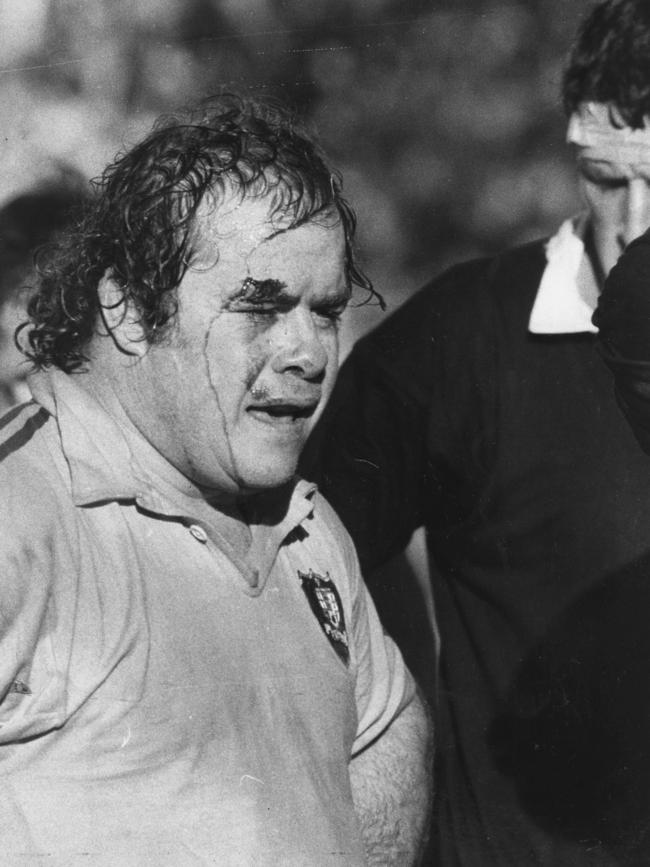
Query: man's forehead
(602, 138)
(251, 252)
(309, 255)
(240, 226)
(236, 222)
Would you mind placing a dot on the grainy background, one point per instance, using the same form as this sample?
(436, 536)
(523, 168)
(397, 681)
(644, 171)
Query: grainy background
(443, 114)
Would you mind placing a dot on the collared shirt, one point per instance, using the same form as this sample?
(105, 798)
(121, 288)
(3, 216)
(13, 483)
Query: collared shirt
(567, 294)
(166, 699)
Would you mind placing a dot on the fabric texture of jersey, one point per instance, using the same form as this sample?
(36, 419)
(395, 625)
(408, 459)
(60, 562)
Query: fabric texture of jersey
(510, 449)
(165, 702)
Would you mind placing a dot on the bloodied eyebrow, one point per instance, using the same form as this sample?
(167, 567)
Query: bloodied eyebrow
(272, 293)
(261, 291)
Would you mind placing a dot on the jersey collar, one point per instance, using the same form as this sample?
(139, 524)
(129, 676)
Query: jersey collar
(109, 463)
(567, 295)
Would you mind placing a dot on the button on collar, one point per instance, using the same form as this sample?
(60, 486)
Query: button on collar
(198, 532)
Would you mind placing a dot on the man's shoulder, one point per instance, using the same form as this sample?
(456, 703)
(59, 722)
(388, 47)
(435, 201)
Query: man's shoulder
(31, 464)
(326, 531)
(18, 426)
(324, 522)
(325, 517)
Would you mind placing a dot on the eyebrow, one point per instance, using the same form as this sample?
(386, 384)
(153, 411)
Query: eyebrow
(261, 291)
(274, 291)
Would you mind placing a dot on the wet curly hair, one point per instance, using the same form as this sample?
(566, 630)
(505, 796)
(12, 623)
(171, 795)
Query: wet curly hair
(610, 61)
(141, 227)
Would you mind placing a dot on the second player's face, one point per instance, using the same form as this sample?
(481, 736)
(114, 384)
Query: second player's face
(618, 197)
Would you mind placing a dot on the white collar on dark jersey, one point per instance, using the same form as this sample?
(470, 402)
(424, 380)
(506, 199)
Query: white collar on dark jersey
(567, 294)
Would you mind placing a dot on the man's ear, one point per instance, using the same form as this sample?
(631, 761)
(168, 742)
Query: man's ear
(120, 318)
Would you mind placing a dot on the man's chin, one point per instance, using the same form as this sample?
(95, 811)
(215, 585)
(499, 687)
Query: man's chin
(255, 479)
(253, 473)
(252, 486)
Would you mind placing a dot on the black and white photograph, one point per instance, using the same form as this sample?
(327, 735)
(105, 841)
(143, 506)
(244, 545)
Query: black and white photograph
(325, 433)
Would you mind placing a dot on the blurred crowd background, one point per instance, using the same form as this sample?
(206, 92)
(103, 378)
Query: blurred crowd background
(444, 115)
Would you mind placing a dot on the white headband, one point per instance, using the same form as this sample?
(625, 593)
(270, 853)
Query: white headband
(591, 128)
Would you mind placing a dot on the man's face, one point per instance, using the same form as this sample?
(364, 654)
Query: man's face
(230, 396)
(618, 197)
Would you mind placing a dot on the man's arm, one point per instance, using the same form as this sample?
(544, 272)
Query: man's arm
(392, 788)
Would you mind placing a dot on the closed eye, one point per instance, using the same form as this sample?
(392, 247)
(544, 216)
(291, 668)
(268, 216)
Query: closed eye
(610, 183)
(601, 178)
(331, 313)
(269, 308)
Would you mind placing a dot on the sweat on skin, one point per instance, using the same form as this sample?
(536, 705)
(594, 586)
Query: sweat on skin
(229, 396)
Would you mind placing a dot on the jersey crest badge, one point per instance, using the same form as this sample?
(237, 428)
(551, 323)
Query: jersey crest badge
(325, 602)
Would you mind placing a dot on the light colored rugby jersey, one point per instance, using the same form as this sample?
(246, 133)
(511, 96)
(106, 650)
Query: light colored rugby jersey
(164, 702)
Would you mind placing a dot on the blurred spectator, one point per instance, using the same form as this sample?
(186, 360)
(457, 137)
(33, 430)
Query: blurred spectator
(27, 222)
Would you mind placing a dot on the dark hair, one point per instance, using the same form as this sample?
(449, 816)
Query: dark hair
(610, 61)
(141, 228)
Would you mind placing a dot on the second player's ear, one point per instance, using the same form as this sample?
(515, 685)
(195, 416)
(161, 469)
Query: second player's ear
(120, 318)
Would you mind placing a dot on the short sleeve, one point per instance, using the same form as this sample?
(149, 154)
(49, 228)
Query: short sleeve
(383, 685)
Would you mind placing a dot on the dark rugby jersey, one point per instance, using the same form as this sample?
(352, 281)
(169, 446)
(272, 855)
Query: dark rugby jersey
(510, 449)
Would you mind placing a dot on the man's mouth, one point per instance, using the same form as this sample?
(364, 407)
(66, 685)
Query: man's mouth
(281, 411)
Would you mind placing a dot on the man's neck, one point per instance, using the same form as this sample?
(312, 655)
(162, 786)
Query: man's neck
(592, 273)
(589, 278)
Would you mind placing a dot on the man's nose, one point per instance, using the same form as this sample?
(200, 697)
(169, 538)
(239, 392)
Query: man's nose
(300, 348)
(637, 216)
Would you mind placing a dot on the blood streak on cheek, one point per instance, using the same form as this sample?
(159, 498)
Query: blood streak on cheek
(206, 358)
(256, 364)
(213, 379)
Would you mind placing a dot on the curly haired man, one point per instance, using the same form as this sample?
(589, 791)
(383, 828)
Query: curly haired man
(191, 670)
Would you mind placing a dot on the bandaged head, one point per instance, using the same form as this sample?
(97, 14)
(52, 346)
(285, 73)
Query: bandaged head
(599, 135)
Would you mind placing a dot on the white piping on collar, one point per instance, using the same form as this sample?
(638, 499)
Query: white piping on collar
(560, 307)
